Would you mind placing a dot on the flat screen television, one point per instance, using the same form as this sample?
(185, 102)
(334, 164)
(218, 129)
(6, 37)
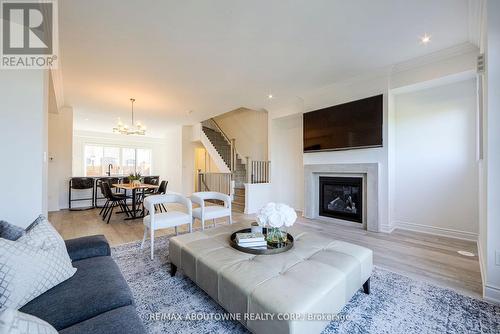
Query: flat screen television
(351, 125)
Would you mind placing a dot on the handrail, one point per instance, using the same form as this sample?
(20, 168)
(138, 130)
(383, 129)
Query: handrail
(231, 142)
(204, 183)
(220, 130)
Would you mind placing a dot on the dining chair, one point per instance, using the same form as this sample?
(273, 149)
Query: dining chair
(98, 188)
(156, 221)
(205, 212)
(113, 200)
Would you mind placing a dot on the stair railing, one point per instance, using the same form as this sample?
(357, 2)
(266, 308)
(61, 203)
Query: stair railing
(212, 124)
(219, 182)
(258, 171)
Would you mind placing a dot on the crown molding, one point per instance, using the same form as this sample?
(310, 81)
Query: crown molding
(477, 14)
(57, 84)
(454, 51)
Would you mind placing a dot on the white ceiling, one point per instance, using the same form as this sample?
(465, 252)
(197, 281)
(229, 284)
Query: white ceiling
(214, 56)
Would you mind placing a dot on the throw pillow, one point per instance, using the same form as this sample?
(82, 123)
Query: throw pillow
(39, 219)
(33, 264)
(10, 231)
(15, 322)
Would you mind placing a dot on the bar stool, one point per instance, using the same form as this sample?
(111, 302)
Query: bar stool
(81, 183)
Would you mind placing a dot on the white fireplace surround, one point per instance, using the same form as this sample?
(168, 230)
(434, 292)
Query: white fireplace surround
(370, 174)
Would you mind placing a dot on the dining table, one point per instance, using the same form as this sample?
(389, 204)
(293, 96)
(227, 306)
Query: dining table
(134, 188)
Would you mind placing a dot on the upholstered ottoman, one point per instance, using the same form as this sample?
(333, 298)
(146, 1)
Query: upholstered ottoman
(316, 278)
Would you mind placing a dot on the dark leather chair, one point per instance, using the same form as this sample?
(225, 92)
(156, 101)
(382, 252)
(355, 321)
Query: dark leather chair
(81, 183)
(98, 188)
(113, 200)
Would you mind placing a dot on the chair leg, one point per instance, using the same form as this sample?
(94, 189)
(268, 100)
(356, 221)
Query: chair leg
(106, 212)
(213, 221)
(202, 224)
(152, 242)
(230, 219)
(144, 237)
(111, 212)
(104, 206)
(191, 226)
(163, 206)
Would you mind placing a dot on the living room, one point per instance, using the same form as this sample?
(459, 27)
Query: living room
(185, 167)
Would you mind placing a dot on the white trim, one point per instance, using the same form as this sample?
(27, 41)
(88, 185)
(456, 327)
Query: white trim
(435, 57)
(441, 231)
(492, 294)
(441, 81)
(387, 228)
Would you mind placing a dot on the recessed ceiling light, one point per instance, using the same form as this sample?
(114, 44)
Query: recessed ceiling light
(425, 39)
(270, 96)
(86, 119)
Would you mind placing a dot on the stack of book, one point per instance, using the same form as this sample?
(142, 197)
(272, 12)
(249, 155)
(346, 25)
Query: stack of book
(251, 240)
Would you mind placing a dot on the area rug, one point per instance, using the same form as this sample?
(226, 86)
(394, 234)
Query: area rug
(397, 304)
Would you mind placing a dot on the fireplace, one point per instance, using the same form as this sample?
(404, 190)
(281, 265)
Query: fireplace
(341, 198)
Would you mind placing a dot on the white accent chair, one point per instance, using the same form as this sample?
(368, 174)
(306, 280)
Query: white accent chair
(205, 212)
(156, 221)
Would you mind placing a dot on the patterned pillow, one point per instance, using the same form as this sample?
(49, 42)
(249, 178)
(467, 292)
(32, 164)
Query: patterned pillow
(33, 264)
(15, 322)
(10, 231)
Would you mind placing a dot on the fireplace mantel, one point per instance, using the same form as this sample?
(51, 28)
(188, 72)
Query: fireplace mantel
(370, 172)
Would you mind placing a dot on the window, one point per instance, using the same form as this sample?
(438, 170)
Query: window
(93, 160)
(128, 161)
(143, 161)
(124, 160)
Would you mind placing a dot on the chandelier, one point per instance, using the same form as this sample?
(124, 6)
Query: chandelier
(123, 129)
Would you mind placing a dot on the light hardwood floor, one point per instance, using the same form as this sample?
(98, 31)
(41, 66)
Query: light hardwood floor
(421, 256)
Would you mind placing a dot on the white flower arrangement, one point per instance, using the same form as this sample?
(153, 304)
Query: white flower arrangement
(276, 215)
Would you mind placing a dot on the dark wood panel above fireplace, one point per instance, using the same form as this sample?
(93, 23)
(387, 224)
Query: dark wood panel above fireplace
(341, 198)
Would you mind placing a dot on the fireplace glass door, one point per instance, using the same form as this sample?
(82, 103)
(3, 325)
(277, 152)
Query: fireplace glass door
(341, 198)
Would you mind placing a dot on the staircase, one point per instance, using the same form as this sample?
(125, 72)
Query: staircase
(239, 200)
(220, 144)
(233, 172)
(238, 169)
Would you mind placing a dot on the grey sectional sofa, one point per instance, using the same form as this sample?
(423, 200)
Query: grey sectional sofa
(95, 300)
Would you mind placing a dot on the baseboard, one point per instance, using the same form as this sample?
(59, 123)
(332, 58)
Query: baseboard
(387, 228)
(492, 294)
(440, 231)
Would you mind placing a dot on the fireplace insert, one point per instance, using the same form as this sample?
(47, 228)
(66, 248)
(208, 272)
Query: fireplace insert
(341, 198)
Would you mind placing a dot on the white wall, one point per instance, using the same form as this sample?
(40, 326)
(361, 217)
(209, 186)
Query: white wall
(436, 188)
(60, 141)
(188, 161)
(23, 145)
(492, 288)
(287, 170)
(171, 155)
(249, 129)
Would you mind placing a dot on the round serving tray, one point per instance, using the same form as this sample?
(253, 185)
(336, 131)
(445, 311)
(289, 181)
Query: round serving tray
(271, 248)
